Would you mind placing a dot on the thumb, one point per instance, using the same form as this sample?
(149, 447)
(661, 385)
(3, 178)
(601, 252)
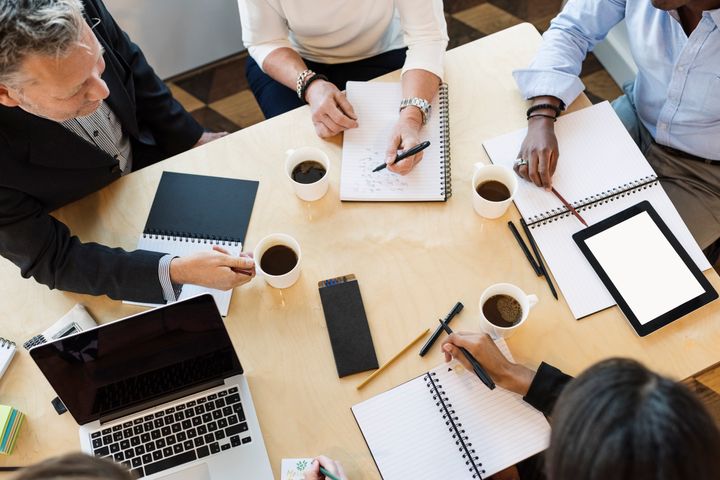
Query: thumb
(241, 263)
(392, 149)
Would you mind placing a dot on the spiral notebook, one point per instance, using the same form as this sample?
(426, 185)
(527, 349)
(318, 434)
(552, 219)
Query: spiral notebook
(600, 172)
(7, 352)
(192, 213)
(364, 147)
(447, 424)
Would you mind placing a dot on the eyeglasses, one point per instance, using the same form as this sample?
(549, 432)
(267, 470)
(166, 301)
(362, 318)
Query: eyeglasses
(94, 22)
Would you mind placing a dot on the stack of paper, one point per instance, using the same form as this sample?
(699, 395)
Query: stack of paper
(11, 421)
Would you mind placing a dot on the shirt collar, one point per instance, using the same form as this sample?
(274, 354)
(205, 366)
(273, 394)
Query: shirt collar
(715, 15)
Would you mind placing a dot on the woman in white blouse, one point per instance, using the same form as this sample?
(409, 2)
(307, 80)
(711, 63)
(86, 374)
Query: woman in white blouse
(306, 50)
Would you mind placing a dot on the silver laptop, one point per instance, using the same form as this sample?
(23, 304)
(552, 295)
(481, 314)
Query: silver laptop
(161, 392)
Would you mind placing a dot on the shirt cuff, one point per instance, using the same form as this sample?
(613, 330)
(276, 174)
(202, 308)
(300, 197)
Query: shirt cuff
(171, 291)
(426, 57)
(260, 52)
(546, 387)
(539, 83)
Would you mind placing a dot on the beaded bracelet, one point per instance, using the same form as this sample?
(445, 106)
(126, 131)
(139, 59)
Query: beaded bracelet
(554, 119)
(543, 106)
(303, 90)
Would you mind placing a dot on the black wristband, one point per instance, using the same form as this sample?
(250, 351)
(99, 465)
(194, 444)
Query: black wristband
(317, 76)
(554, 119)
(543, 106)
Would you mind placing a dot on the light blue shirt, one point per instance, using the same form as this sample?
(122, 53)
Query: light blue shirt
(677, 89)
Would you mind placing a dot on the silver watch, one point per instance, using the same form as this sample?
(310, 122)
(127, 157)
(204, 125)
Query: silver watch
(421, 103)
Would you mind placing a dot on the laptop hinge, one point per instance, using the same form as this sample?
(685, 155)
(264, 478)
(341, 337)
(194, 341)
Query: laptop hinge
(159, 401)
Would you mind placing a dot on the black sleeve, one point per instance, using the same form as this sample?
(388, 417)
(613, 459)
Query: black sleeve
(43, 248)
(546, 387)
(174, 129)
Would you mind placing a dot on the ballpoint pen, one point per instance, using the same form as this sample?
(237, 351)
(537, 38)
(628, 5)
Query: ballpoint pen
(407, 153)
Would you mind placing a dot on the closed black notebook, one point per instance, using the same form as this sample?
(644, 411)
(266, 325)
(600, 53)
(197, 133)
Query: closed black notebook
(192, 213)
(347, 324)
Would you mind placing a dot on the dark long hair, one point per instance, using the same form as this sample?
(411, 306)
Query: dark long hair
(620, 421)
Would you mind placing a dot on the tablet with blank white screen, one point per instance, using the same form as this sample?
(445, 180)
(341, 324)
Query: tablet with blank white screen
(644, 267)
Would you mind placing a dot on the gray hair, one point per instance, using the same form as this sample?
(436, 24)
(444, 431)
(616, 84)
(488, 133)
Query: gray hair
(44, 27)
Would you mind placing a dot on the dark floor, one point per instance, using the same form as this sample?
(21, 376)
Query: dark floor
(218, 95)
(219, 98)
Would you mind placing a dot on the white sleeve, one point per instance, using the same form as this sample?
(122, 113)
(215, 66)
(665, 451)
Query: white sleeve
(425, 34)
(264, 29)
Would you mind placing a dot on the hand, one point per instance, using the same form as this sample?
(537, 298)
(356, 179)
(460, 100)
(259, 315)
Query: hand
(208, 137)
(313, 473)
(510, 376)
(510, 473)
(214, 269)
(406, 135)
(540, 150)
(331, 111)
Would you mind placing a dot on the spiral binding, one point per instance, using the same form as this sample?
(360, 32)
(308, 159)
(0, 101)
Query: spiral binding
(189, 237)
(446, 174)
(592, 201)
(5, 343)
(454, 426)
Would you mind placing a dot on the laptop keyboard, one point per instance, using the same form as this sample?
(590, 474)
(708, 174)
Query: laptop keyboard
(176, 435)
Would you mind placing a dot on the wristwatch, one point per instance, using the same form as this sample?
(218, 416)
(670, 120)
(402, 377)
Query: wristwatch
(420, 103)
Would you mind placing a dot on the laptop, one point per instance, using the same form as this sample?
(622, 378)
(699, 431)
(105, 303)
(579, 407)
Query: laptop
(162, 392)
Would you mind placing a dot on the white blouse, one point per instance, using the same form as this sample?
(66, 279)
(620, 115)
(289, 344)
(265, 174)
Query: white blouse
(340, 31)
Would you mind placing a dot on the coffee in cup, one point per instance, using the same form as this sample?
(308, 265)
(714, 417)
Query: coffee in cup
(504, 308)
(307, 169)
(494, 187)
(277, 258)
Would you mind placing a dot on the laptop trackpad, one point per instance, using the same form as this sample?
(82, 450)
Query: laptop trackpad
(197, 472)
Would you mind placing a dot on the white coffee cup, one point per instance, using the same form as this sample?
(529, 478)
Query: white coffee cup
(308, 191)
(526, 303)
(278, 281)
(483, 173)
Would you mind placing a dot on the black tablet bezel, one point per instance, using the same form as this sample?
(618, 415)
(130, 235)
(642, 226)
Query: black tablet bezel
(668, 317)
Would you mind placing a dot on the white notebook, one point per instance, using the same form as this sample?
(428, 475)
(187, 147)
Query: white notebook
(411, 435)
(376, 105)
(601, 171)
(7, 352)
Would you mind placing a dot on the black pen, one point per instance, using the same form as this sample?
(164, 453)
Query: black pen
(407, 153)
(525, 250)
(477, 368)
(455, 310)
(539, 258)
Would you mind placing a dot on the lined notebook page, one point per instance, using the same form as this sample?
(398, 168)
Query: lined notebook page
(7, 352)
(408, 438)
(183, 247)
(581, 286)
(376, 105)
(597, 156)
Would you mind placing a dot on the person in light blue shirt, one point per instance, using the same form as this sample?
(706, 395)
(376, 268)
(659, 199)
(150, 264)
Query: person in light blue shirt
(672, 109)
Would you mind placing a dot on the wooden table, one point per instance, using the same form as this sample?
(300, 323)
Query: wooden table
(413, 262)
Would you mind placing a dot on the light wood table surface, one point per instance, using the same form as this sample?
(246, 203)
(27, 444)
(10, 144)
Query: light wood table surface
(413, 262)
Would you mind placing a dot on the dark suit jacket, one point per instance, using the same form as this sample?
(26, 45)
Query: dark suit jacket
(44, 166)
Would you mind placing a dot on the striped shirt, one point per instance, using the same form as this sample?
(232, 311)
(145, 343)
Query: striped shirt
(103, 129)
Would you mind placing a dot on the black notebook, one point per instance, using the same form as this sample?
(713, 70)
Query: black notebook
(191, 213)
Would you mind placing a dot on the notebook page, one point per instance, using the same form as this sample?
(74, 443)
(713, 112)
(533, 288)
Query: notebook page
(7, 352)
(183, 247)
(582, 288)
(502, 428)
(364, 147)
(597, 155)
(407, 435)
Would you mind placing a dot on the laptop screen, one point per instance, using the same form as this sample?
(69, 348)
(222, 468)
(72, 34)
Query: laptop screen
(128, 363)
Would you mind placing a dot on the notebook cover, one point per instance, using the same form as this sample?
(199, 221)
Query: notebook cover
(348, 328)
(200, 206)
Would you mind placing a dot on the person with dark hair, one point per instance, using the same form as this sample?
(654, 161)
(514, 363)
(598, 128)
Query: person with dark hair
(617, 420)
(75, 466)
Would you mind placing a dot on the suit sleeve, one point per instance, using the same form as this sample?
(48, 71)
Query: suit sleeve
(174, 129)
(546, 387)
(43, 248)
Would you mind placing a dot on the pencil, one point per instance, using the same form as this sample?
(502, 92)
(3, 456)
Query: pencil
(477, 368)
(328, 474)
(569, 207)
(539, 258)
(525, 250)
(397, 355)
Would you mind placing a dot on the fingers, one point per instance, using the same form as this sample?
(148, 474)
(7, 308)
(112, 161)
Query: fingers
(218, 248)
(330, 465)
(405, 166)
(345, 105)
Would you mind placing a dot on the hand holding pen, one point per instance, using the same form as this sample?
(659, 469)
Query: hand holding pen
(403, 155)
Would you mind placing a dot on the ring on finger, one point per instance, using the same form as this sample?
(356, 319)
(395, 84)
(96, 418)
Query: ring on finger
(520, 162)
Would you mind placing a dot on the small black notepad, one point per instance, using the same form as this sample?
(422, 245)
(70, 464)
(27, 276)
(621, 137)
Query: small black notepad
(191, 213)
(347, 324)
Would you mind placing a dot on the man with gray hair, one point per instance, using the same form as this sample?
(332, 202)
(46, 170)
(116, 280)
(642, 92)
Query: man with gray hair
(79, 107)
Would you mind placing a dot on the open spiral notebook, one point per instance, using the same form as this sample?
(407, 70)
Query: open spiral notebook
(600, 172)
(376, 106)
(447, 424)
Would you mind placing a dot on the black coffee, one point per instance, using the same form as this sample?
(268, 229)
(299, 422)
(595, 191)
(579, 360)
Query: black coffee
(502, 310)
(493, 190)
(308, 171)
(278, 260)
